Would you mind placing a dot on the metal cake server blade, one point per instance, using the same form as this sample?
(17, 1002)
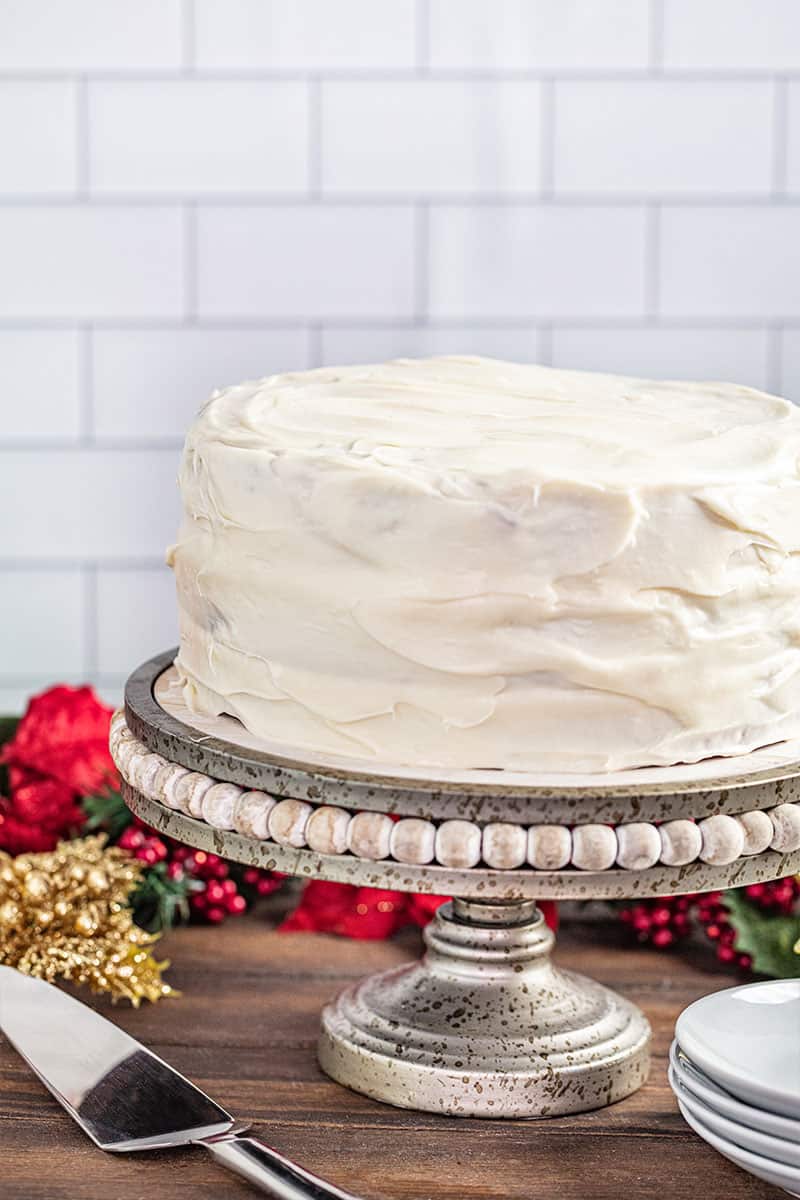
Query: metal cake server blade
(125, 1097)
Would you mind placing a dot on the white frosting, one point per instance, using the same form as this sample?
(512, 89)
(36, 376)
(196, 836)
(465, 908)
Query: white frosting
(466, 563)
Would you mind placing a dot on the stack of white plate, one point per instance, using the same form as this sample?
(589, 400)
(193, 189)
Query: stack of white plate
(735, 1070)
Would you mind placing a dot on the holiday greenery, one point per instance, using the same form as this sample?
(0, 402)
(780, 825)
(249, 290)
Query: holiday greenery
(755, 928)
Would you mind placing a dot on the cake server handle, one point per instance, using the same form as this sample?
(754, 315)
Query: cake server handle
(279, 1177)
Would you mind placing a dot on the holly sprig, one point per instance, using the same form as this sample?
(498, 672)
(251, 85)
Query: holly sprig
(771, 940)
(106, 812)
(754, 929)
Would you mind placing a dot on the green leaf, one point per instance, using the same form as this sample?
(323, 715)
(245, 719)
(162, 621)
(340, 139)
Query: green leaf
(768, 939)
(8, 726)
(106, 811)
(160, 902)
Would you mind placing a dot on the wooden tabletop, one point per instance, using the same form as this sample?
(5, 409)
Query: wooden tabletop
(244, 1030)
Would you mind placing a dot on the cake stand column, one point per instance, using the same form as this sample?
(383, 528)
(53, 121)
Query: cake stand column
(485, 1025)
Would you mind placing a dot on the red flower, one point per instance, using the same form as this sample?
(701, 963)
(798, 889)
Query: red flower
(368, 912)
(58, 753)
(37, 816)
(351, 911)
(421, 908)
(64, 736)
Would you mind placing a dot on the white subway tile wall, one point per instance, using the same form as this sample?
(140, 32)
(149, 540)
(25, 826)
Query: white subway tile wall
(87, 262)
(198, 138)
(407, 137)
(304, 261)
(194, 192)
(38, 151)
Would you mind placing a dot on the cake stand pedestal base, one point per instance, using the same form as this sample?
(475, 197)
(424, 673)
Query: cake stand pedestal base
(484, 1025)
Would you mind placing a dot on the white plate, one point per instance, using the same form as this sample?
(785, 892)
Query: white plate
(747, 1039)
(704, 1089)
(775, 1173)
(779, 1149)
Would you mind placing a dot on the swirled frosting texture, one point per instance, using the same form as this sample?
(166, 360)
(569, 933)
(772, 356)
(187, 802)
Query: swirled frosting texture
(465, 563)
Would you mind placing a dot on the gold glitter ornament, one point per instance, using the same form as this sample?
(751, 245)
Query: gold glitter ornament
(64, 914)
(97, 881)
(35, 885)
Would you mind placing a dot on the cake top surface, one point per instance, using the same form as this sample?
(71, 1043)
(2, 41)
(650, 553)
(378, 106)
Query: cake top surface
(487, 418)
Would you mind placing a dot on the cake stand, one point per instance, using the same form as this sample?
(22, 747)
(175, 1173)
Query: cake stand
(485, 1024)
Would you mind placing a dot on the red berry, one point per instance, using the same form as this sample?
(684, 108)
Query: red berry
(175, 870)
(663, 937)
(131, 839)
(236, 905)
(744, 962)
(726, 954)
(215, 914)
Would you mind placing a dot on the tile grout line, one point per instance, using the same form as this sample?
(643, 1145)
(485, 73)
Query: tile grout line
(656, 37)
(315, 343)
(652, 263)
(86, 431)
(775, 359)
(82, 135)
(190, 264)
(527, 198)
(59, 566)
(780, 136)
(188, 38)
(548, 139)
(545, 343)
(422, 32)
(421, 263)
(408, 74)
(90, 614)
(721, 322)
(88, 440)
(315, 147)
(104, 678)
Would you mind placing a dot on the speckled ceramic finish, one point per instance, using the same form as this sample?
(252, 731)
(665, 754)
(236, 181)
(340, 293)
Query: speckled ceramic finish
(478, 882)
(485, 1026)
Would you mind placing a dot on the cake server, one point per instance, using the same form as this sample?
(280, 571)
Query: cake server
(126, 1098)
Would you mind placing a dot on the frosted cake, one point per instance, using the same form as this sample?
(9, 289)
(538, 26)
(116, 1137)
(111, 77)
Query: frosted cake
(464, 563)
